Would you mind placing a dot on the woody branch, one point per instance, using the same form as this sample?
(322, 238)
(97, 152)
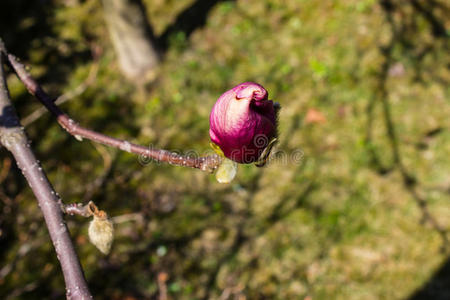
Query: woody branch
(13, 138)
(206, 163)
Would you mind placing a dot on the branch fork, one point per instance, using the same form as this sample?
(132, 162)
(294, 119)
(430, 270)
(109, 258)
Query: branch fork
(13, 137)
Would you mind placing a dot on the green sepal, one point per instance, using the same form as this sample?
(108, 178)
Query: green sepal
(262, 160)
(217, 149)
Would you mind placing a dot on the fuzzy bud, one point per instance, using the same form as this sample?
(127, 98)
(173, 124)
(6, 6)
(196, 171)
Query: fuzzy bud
(101, 232)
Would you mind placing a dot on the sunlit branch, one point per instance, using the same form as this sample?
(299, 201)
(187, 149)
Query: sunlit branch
(207, 163)
(13, 138)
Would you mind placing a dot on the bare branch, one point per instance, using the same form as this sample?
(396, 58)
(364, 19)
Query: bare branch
(207, 163)
(14, 139)
(162, 286)
(79, 209)
(93, 187)
(66, 96)
(382, 96)
(87, 210)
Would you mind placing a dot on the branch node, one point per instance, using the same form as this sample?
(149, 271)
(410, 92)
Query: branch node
(11, 137)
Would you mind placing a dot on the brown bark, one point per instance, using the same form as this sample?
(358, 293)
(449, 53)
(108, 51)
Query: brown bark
(132, 38)
(206, 163)
(13, 138)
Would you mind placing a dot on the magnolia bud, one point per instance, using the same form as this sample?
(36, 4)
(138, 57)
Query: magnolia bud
(101, 232)
(243, 123)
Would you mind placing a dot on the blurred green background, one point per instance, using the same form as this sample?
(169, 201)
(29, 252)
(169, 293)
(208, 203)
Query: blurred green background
(364, 90)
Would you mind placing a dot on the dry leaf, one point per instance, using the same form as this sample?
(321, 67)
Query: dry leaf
(314, 116)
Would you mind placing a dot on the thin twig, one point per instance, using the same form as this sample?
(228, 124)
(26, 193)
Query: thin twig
(206, 163)
(162, 286)
(108, 159)
(27, 288)
(133, 217)
(64, 97)
(382, 94)
(87, 210)
(14, 139)
(79, 209)
(24, 249)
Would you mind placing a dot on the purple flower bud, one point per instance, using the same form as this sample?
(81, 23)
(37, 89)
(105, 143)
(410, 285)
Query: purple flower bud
(243, 122)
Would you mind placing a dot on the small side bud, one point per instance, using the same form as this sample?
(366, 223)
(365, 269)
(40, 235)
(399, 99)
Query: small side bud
(101, 232)
(226, 171)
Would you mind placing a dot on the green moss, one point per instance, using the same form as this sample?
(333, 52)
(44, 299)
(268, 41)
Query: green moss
(337, 223)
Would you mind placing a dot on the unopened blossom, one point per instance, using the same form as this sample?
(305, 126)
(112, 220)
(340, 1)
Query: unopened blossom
(243, 123)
